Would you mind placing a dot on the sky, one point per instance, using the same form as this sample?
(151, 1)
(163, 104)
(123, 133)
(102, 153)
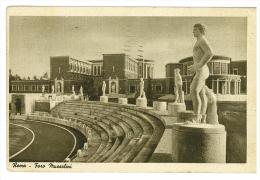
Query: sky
(32, 40)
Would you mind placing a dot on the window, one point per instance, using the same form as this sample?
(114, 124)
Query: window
(188, 65)
(95, 70)
(235, 71)
(132, 88)
(47, 88)
(224, 68)
(39, 88)
(14, 88)
(20, 88)
(216, 68)
(26, 88)
(185, 69)
(158, 88)
(99, 70)
(33, 88)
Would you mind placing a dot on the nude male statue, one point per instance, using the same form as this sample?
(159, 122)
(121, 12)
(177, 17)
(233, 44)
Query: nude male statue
(52, 89)
(202, 54)
(178, 86)
(81, 91)
(104, 88)
(142, 93)
(73, 89)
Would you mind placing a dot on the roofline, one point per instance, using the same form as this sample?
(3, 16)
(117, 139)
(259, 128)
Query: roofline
(215, 57)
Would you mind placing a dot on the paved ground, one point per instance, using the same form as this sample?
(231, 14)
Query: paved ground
(51, 143)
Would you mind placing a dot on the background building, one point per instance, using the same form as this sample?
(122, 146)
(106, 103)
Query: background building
(224, 78)
(122, 75)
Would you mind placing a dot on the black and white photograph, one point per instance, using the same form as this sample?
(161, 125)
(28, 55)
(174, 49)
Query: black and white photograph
(144, 86)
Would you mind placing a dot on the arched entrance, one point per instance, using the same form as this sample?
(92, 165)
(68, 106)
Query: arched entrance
(113, 86)
(59, 85)
(18, 106)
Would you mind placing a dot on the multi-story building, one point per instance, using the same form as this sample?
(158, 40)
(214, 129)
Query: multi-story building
(224, 78)
(122, 75)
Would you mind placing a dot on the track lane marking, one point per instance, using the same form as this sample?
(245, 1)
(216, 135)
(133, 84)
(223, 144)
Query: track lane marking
(17, 153)
(75, 140)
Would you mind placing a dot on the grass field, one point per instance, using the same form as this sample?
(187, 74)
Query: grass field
(233, 116)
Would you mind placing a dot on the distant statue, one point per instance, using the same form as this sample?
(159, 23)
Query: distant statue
(178, 87)
(142, 93)
(81, 91)
(52, 89)
(104, 88)
(73, 90)
(43, 88)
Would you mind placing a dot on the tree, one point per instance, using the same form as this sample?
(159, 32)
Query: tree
(11, 77)
(149, 93)
(28, 78)
(45, 76)
(92, 90)
(35, 77)
(17, 77)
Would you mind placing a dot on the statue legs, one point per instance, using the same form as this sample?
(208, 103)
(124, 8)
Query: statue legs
(204, 103)
(176, 92)
(196, 93)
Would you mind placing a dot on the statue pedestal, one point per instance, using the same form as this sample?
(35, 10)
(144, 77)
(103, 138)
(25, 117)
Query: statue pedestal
(174, 108)
(198, 143)
(122, 101)
(159, 105)
(104, 99)
(141, 102)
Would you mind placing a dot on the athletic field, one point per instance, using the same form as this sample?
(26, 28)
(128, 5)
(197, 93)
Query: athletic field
(35, 141)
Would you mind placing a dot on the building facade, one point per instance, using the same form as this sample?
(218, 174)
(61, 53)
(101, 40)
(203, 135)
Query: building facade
(122, 75)
(224, 78)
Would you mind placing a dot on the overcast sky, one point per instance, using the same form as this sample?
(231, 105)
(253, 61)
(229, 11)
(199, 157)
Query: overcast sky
(164, 39)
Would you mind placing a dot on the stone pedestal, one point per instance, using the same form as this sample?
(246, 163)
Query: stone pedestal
(122, 101)
(160, 106)
(85, 145)
(174, 108)
(198, 143)
(104, 99)
(141, 102)
(183, 116)
(79, 153)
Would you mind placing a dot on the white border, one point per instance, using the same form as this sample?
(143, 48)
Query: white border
(184, 3)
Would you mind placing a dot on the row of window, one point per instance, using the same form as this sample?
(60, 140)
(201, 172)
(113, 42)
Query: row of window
(131, 66)
(33, 88)
(97, 70)
(80, 69)
(156, 88)
(214, 68)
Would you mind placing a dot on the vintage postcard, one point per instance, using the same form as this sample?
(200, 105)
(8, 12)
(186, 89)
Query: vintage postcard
(131, 89)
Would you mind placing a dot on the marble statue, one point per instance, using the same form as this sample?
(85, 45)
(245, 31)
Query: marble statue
(212, 115)
(202, 54)
(43, 88)
(73, 90)
(81, 91)
(178, 87)
(104, 88)
(52, 89)
(142, 93)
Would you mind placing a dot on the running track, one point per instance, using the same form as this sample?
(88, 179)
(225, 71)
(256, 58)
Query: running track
(46, 142)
